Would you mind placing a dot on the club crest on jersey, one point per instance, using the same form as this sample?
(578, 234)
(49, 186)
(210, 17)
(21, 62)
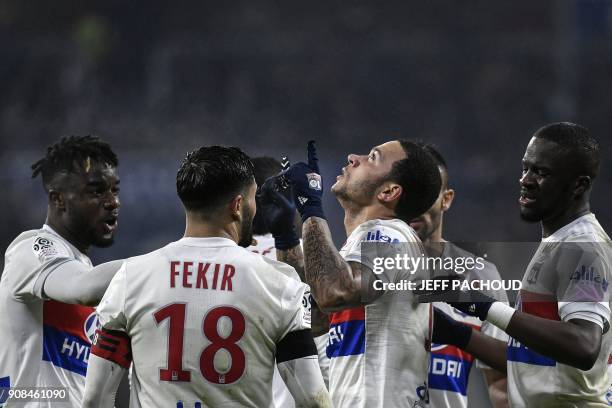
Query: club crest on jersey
(90, 326)
(314, 181)
(44, 247)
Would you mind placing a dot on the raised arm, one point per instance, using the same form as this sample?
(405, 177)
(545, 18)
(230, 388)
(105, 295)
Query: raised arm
(335, 283)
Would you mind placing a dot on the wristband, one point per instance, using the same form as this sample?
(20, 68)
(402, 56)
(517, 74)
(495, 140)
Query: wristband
(500, 315)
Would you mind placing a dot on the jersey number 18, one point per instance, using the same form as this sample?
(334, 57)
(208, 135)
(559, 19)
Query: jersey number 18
(176, 314)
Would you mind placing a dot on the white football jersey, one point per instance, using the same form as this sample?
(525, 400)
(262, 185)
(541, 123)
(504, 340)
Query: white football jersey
(449, 368)
(43, 343)
(567, 278)
(281, 396)
(380, 353)
(204, 317)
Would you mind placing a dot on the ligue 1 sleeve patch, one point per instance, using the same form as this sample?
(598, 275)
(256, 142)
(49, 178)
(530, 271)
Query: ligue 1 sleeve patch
(307, 305)
(44, 248)
(113, 345)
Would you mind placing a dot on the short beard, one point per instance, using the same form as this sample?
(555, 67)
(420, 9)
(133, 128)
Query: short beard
(363, 190)
(530, 217)
(246, 228)
(104, 243)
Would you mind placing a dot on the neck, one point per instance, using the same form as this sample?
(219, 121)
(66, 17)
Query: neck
(354, 216)
(555, 223)
(65, 232)
(202, 229)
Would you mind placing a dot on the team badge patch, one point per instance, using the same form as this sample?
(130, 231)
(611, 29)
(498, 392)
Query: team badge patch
(44, 248)
(314, 181)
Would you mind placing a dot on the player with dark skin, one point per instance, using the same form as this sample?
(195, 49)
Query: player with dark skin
(83, 207)
(554, 191)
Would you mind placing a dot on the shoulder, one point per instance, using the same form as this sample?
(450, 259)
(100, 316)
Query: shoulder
(37, 245)
(585, 229)
(264, 264)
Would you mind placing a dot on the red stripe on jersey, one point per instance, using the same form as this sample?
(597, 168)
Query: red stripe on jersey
(114, 346)
(357, 313)
(539, 304)
(452, 351)
(66, 318)
(610, 359)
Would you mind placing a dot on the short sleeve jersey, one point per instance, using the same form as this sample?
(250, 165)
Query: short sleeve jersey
(213, 313)
(379, 353)
(44, 343)
(567, 278)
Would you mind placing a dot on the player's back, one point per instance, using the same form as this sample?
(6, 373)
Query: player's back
(204, 317)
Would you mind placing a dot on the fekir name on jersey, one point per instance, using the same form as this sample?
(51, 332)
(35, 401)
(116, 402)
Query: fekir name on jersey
(213, 313)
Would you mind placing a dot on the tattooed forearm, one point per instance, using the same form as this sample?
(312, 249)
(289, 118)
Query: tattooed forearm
(334, 284)
(293, 257)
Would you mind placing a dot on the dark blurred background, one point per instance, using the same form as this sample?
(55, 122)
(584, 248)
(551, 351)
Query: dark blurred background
(158, 79)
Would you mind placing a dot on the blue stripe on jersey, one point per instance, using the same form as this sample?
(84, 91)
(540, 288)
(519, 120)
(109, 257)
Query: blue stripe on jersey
(449, 373)
(346, 339)
(521, 354)
(65, 350)
(5, 384)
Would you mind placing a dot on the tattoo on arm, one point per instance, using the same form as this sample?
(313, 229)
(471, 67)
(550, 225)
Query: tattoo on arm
(334, 283)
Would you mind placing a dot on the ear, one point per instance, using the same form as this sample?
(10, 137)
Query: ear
(447, 199)
(583, 184)
(389, 192)
(56, 199)
(235, 206)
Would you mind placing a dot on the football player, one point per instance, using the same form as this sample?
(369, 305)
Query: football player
(203, 319)
(449, 369)
(48, 277)
(559, 343)
(378, 340)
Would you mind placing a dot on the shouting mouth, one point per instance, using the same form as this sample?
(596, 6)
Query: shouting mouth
(110, 224)
(526, 199)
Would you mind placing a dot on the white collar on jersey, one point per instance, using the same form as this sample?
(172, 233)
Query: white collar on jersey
(50, 230)
(561, 232)
(207, 241)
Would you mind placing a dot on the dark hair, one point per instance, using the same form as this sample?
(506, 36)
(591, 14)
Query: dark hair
(264, 167)
(69, 154)
(576, 141)
(211, 175)
(419, 177)
(440, 162)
